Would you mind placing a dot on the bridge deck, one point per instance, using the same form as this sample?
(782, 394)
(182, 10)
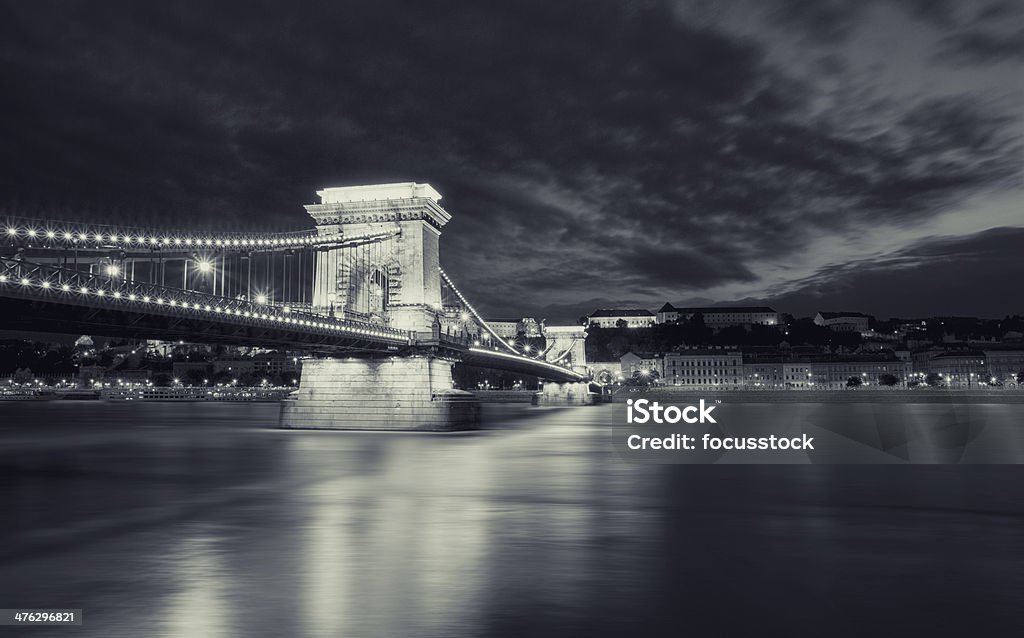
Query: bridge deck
(45, 298)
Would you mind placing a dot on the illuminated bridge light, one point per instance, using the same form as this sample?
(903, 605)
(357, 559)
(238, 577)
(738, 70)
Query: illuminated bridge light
(45, 284)
(100, 293)
(131, 297)
(32, 232)
(24, 281)
(84, 290)
(159, 301)
(50, 234)
(117, 295)
(12, 231)
(145, 299)
(65, 288)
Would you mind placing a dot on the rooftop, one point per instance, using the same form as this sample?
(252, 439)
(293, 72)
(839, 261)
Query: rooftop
(375, 192)
(717, 309)
(625, 312)
(836, 315)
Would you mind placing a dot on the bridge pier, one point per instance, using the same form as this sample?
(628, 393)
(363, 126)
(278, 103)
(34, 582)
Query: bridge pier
(398, 393)
(564, 394)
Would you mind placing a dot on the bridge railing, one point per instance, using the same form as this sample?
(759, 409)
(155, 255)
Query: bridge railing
(63, 285)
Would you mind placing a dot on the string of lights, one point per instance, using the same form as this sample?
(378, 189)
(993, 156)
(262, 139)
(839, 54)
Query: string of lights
(58, 235)
(59, 284)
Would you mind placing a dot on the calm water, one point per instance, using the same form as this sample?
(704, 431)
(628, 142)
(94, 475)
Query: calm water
(201, 520)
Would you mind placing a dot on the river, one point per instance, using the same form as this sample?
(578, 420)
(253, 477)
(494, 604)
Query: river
(200, 519)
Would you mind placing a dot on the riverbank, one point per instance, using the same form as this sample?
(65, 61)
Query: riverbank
(505, 396)
(923, 395)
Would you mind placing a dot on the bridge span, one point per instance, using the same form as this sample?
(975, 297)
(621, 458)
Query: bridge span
(363, 294)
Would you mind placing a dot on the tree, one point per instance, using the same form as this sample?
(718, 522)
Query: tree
(621, 323)
(286, 378)
(644, 377)
(888, 379)
(250, 379)
(195, 377)
(222, 378)
(934, 380)
(854, 382)
(162, 380)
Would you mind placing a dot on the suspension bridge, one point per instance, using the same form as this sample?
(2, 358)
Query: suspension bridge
(362, 293)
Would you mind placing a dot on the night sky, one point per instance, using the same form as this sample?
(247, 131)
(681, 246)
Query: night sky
(811, 155)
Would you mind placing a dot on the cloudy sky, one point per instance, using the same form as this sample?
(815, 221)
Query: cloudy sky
(812, 155)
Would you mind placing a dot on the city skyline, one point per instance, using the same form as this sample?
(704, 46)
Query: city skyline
(834, 157)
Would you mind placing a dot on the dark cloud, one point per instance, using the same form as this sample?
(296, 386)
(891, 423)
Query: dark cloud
(581, 146)
(821, 20)
(998, 12)
(835, 21)
(920, 280)
(981, 46)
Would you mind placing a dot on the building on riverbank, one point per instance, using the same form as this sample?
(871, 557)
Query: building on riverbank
(704, 368)
(721, 317)
(630, 318)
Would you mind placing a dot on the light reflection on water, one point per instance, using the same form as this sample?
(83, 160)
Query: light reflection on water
(199, 520)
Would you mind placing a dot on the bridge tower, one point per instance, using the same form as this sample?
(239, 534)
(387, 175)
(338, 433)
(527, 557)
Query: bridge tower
(393, 276)
(568, 345)
(384, 269)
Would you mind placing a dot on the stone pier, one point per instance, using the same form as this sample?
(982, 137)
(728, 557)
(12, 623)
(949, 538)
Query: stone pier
(564, 394)
(400, 393)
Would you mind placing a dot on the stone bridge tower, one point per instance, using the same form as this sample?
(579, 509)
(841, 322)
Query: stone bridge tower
(568, 338)
(394, 280)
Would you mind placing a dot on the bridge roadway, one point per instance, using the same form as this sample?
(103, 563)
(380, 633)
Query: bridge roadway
(45, 298)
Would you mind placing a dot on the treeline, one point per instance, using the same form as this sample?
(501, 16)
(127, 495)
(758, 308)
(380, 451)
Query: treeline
(36, 356)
